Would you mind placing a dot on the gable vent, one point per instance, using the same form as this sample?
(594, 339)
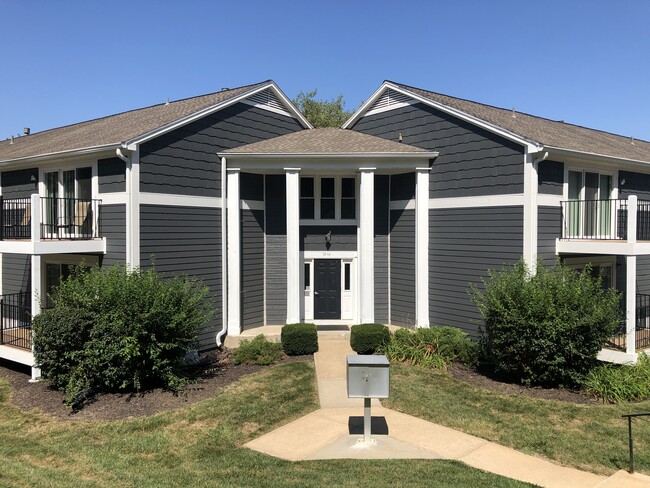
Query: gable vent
(268, 100)
(390, 100)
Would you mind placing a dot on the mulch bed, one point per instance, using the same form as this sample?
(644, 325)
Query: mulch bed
(217, 372)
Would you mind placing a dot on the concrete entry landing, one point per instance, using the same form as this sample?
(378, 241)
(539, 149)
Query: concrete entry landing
(325, 434)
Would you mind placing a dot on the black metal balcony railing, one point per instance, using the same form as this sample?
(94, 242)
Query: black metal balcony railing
(642, 328)
(60, 218)
(603, 219)
(16, 320)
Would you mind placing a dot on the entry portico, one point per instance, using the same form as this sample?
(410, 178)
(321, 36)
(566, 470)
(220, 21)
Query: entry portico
(327, 226)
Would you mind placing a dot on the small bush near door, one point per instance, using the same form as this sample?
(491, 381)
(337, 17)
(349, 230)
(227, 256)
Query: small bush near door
(368, 338)
(259, 351)
(298, 339)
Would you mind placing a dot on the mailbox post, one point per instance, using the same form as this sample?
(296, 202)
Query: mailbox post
(368, 377)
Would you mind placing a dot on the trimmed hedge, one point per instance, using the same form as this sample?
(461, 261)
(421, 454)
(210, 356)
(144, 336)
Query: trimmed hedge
(368, 338)
(298, 339)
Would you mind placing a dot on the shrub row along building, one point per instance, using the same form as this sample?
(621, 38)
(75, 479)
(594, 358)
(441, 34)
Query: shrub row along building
(387, 219)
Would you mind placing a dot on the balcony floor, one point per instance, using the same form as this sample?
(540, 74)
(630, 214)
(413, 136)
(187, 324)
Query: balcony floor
(54, 246)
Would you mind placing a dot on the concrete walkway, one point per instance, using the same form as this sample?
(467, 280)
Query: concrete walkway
(333, 433)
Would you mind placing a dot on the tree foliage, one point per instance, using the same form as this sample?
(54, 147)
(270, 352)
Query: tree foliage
(322, 113)
(111, 330)
(547, 328)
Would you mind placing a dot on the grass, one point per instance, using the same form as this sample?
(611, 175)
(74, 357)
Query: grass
(590, 437)
(201, 446)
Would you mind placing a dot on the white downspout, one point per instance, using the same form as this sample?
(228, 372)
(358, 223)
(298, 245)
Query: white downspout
(224, 256)
(122, 156)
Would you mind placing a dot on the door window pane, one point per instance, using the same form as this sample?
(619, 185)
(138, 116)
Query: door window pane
(307, 277)
(347, 277)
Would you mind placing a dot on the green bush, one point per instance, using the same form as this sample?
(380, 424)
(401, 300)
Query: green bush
(613, 383)
(258, 351)
(113, 330)
(434, 347)
(368, 338)
(545, 329)
(299, 339)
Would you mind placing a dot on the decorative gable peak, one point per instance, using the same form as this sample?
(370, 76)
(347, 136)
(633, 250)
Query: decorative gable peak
(268, 100)
(390, 100)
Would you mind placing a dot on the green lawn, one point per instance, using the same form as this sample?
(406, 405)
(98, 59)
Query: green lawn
(200, 446)
(589, 437)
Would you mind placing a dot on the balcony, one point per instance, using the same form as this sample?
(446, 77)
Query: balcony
(613, 226)
(641, 330)
(16, 321)
(43, 225)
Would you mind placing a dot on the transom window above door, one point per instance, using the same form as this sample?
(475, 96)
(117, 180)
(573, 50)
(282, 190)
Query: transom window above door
(328, 198)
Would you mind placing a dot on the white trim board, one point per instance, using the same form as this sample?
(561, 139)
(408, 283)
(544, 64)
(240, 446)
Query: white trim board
(510, 200)
(179, 200)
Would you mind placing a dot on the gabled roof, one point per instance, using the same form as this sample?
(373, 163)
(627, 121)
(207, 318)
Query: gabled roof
(327, 142)
(530, 128)
(127, 127)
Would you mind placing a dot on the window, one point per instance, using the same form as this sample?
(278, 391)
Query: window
(66, 192)
(346, 277)
(589, 206)
(328, 198)
(307, 277)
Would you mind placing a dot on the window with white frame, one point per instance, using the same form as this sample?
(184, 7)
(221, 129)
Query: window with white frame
(589, 207)
(328, 198)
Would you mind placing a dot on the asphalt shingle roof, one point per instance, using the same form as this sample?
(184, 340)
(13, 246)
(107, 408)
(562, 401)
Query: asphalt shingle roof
(325, 141)
(545, 131)
(113, 129)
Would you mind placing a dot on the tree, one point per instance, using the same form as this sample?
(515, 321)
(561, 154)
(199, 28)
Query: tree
(322, 113)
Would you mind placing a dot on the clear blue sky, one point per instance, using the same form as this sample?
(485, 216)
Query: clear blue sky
(586, 62)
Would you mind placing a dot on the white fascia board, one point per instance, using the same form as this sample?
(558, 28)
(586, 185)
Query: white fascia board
(531, 146)
(329, 165)
(214, 108)
(16, 355)
(591, 157)
(420, 156)
(620, 247)
(61, 154)
(54, 247)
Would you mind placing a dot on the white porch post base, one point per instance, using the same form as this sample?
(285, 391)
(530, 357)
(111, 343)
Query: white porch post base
(367, 245)
(36, 375)
(630, 304)
(293, 244)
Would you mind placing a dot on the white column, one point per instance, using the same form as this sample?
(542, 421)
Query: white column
(133, 211)
(35, 230)
(630, 304)
(631, 218)
(234, 253)
(530, 213)
(36, 292)
(293, 244)
(422, 247)
(367, 245)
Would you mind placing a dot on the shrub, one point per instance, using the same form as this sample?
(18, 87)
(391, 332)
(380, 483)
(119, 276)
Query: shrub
(545, 329)
(299, 339)
(368, 338)
(434, 348)
(614, 383)
(258, 351)
(112, 330)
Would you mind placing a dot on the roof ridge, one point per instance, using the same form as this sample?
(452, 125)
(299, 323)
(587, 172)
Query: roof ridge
(137, 109)
(519, 112)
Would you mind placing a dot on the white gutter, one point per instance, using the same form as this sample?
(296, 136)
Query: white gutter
(540, 159)
(592, 156)
(224, 256)
(348, 155)
(62, 154)
(122, 156)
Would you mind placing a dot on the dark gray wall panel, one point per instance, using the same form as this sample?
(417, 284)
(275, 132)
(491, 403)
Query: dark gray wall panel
(16, 273)
(111, 174)
(18, 184)
(472, 161)
(252, 268)
(550, 177)
(186, 240)
(635, 184)
(276, 250)
(381, 248)
(402, 186)
(251, 186)
(549, 228)
(402, 267)
(113, 225)
(185, 160)
(463, 245)
(312, 238)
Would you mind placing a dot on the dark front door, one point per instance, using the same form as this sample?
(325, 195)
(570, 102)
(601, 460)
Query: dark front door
(327, 289)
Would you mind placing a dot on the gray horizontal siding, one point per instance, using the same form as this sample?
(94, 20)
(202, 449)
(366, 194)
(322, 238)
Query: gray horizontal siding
(251, 186)
(635, 184)
(312, 238)
(381, 248)
(643, 275)
(276, 250)
(111, 175)
(402, 267)
(402, 186)
(472, 161)
(252, 265)
(549, 228)
(463, 245)
(186, 241)
(18, 184)
(113, 226)
(550, 177)
(185, 161)
(16, 273)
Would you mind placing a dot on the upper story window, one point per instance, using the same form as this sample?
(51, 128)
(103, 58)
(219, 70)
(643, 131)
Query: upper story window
(328, 198)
